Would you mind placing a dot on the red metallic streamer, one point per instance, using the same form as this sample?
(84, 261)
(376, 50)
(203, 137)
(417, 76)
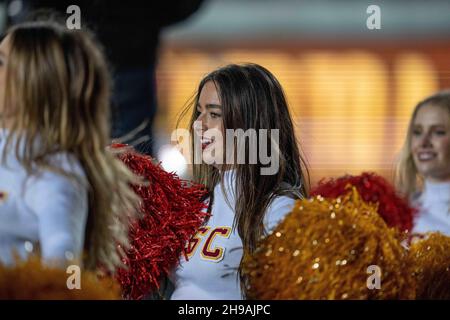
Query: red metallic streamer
(375, 189)
(172, 211)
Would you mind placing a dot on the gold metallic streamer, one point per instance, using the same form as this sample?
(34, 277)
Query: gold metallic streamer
(31, 280)
(322, 250)
(431, 260)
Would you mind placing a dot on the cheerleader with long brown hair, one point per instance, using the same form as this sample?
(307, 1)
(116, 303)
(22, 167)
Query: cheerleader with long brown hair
(249, 191)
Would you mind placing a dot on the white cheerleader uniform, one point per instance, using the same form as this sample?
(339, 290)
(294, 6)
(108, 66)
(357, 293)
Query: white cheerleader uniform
(434, 208)
(215, 252)
(44, 213)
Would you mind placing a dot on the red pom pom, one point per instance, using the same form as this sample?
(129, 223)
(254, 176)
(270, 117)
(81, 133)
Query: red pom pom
(373, 188)
(173, 210)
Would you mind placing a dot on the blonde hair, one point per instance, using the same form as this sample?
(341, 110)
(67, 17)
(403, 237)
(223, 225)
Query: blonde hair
(407, 179)
(58, 89)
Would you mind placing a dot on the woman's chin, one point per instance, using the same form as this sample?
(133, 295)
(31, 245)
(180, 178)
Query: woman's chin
(210, 160)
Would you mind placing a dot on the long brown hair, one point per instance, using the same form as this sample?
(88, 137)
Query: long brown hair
(58, 91)
(252, 98)
(407, 179)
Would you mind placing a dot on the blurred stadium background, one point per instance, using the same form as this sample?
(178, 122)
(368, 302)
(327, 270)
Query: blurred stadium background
(351, 90)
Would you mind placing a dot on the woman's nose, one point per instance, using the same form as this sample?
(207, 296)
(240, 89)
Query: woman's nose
(199, 126)
(201, 120)
(200, 117)
(426, 140)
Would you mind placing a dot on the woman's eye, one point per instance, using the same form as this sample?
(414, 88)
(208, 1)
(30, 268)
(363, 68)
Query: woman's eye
(215, 115)
(416, 132)
(440, 132)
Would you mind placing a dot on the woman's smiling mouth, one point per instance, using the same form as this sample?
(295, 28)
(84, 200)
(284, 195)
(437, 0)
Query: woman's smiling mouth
(206, 142)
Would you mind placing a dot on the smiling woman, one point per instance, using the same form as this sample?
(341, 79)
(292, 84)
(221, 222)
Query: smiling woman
(209, 120)
(424, 169)
(245, 204)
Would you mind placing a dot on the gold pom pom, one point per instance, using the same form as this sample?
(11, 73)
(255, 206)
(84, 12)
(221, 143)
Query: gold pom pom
(431, 258)
(323, 249)
(31, 280)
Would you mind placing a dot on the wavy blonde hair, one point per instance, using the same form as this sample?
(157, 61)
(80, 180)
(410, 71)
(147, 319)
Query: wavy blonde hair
(408, 181)
(58, 89)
